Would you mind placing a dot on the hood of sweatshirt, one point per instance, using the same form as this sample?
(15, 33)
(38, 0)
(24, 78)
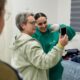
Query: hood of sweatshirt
(20, 40)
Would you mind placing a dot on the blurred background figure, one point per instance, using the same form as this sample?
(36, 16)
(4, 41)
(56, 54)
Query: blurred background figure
(2, 12)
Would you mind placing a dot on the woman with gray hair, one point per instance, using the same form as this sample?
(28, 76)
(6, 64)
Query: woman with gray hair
(28, 56)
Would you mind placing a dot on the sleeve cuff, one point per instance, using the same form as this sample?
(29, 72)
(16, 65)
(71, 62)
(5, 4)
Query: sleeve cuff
(59, 45)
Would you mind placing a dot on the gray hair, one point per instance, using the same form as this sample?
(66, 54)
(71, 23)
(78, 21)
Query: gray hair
(22, 19)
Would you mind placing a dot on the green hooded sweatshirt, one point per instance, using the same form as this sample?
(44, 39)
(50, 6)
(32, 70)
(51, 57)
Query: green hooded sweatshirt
(50, 39)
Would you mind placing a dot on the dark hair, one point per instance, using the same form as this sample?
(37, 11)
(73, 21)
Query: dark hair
(22, 19)
(2, 5)
(38, 15)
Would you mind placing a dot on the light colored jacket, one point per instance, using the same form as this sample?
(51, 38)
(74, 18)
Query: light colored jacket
(30, 60)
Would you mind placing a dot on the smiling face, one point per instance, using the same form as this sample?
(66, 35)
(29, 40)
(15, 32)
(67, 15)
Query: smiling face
(42, 23)
(29, 27)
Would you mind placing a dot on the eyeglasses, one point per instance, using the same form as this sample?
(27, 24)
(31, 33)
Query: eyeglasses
(40, 24)
(33, 22)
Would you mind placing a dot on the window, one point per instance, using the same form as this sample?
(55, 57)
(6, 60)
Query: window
(75, 15)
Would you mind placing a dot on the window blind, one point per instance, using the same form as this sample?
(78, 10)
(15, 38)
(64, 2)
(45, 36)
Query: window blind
(75, 15)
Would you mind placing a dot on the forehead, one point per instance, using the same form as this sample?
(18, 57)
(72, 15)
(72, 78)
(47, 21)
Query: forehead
(30, 18)
(41, 19)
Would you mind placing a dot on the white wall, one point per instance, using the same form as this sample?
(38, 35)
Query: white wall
(64, 7)
(47, 6)
(75, 43)
(58, 11)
